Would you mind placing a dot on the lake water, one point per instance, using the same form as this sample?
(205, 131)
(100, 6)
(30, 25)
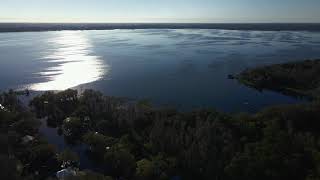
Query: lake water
(184, 68)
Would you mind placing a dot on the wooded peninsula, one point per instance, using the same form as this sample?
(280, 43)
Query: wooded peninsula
(139, 141)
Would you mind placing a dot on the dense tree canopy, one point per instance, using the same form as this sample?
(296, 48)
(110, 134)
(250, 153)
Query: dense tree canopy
(137, 141)
(299, 78)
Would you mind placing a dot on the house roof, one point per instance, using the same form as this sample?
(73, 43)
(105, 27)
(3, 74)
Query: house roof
(27, 139)
(64, 173)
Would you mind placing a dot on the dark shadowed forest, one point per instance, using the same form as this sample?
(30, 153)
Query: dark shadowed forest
(139, 141)
(299, 78)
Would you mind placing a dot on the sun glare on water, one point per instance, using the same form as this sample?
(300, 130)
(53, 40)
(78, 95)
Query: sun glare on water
(74, 63)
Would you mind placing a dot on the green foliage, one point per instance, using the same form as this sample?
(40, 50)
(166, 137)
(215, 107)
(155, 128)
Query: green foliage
(159, 167)
(95, 105)
(299, 78)
(6, 119)
(55, 107)
(98, 143)
(41, 160)
(145, 169)
(10, 101)
(74, 127)
(26, 124)
(11, 168)
(278, 156)
(108, 127)
(137, 141)
(141, 142)
(145, 103)
(68, 157)
(122, 163)
(41, 153)
(89, 175)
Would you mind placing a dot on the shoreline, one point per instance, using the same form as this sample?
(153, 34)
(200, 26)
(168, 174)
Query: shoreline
(123, 141)
(298, 79)
(42, 27)
(110, 132)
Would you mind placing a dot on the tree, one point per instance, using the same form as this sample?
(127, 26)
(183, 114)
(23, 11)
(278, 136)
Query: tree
(68, 158)
(277, 156)
(145, 169)
(11, 169)
(121, 162)
(73, 127)
(89, 175)
(98, 143)
(67, 101)
(26, 125)
(43, 160)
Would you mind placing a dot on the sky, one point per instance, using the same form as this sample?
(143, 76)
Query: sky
(160, 11)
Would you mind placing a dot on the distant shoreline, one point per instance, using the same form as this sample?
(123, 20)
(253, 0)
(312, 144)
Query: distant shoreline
(299, 78)
(37, 27)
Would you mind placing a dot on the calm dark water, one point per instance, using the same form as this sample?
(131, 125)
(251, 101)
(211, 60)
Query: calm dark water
(61, 144)
(184, 68)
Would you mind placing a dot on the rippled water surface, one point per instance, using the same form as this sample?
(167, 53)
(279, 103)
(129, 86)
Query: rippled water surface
(182, 68)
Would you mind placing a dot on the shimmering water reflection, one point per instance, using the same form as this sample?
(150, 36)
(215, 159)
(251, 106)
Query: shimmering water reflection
(183, 68)
(74, 63)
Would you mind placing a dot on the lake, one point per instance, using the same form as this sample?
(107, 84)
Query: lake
(183, 68)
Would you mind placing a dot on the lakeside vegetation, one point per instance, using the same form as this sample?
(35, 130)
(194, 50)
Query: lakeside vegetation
(298, 78)
(137, 141)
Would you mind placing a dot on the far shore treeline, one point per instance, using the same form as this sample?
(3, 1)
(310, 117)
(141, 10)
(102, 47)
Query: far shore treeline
(36, 27)
(139, 141)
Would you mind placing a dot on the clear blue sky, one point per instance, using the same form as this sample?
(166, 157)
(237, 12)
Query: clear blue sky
(160, 11)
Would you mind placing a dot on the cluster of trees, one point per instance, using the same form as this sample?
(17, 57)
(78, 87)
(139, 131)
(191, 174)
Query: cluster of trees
(28, 154)
(299, 78)
(137, 141)
(24, 153)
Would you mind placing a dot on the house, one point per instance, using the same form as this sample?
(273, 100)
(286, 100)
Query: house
(65, 173)
(27, 139)
(2, 107)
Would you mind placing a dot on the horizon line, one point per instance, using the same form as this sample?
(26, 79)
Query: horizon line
(40, 22)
